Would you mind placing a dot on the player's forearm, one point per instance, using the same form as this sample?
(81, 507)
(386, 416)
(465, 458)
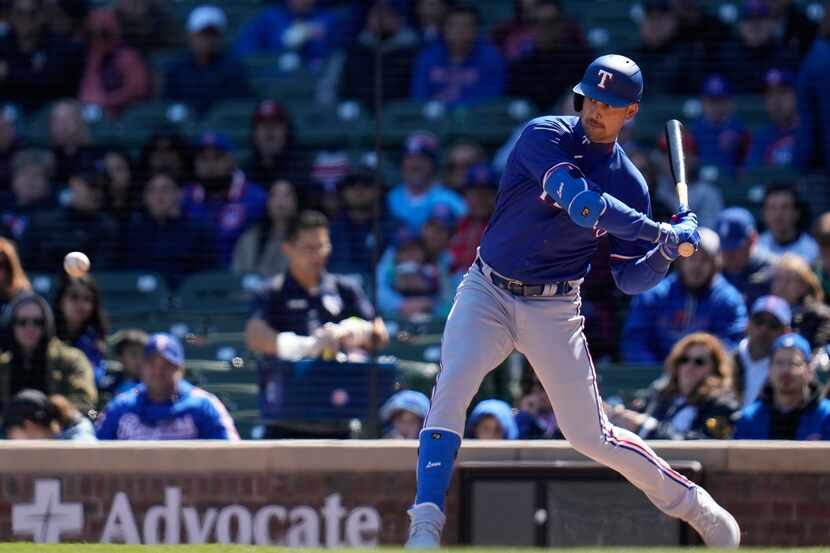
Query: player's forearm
(638, 275)
(626, 223)
(260, 337)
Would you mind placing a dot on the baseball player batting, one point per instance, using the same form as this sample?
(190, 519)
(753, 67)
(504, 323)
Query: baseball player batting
(567, 182)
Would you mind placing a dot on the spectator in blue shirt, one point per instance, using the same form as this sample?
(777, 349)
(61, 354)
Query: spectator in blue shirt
(299, 26)
(746, 267)
(722, 139)
(774, 143)
(163, 239)
(461, 69)
(165, 406)
(413, 201)
(791, 406)
(208, 73)
(694, 298)
(221, 195)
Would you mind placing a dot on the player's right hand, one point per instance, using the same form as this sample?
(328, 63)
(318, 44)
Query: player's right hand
(682, 229)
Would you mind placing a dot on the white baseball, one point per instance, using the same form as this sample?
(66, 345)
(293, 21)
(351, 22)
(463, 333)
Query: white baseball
(76, 264)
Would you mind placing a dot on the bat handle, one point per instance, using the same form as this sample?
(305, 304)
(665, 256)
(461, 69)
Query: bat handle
(686, 249)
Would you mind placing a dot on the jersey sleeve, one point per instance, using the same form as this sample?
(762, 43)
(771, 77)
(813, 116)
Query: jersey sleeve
(216, 423)
(542, 146)
(106, 425)
(635, 196)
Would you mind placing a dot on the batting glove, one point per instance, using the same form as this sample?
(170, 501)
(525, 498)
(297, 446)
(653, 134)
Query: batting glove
(683, 228)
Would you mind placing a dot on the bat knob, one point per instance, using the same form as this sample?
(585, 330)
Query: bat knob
(686, 249)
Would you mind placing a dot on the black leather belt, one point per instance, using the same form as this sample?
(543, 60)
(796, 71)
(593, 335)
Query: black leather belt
(519, 288)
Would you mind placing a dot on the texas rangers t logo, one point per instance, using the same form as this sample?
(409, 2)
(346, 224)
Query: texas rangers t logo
(604, 76)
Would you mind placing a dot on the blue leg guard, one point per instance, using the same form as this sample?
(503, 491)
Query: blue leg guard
(436, 456)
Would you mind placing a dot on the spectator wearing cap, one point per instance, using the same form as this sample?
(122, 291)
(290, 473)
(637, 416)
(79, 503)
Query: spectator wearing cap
(492, 419)
(30, 193)
(695, 298)
(675, 67)
(165, 406)
(756, 48)
(300, 27)
(462, 68)
(722, 139)
(821, 234)
(31, 415)
(36, 358)
(791, 406)
(403, 414)
(355, 239)
(38, 66)
(260, 250)
(207, 74)
(747, 267)
(769, 318)
(353, 71)
(705, 199)
(275, 152)
(812, 143)
(774, 143)
(786, 217)
(480, 194)
(115, 75)
(553, 56)
(70, 140)
(414, 200)
(163, 239)
(82, 226)
(221, 196)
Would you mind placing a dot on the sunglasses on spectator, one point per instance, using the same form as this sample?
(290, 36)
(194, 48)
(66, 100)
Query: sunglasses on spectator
(37, 322)
(696, 361)
(770, 322)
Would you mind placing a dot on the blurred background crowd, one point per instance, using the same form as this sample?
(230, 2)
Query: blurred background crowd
(310, 178)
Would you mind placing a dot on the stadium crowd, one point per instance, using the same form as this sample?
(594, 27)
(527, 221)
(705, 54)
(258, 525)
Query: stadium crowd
(346, 240)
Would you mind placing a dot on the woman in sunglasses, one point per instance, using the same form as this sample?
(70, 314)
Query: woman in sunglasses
(694, 398)
(80, 320)
(37, 359)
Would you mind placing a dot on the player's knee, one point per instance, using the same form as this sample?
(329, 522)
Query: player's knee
(591, 444)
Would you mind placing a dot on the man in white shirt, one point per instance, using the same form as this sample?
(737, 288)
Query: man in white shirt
(770, 318)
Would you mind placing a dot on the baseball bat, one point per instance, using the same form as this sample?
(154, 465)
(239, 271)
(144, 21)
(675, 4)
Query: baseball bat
(674, 139)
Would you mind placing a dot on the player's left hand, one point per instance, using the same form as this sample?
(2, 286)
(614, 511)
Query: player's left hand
(683, 229)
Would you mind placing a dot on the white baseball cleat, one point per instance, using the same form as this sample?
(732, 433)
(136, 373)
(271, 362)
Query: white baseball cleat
(715, 525)
(427, 522)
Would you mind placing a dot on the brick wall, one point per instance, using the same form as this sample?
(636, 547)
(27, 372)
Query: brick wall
(777, 492)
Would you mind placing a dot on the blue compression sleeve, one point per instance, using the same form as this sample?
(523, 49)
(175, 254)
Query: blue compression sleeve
(626, 223)
(638, 275)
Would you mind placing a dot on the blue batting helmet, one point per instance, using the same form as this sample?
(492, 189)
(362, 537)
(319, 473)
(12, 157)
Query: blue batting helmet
(612, 79)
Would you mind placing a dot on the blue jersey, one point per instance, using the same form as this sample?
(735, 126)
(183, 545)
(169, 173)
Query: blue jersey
(193, 414)
(529, 238)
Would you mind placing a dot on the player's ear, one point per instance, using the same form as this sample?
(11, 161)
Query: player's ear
(631, 111)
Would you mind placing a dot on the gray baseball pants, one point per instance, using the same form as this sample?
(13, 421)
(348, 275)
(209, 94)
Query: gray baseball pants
(487, 323)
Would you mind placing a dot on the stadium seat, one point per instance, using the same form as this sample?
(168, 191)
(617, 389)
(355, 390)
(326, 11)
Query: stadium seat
(45, 284)
(493, 122)
(133, 292)
(138, 123)
(401, 118)
(233, 118)
(215, 293)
